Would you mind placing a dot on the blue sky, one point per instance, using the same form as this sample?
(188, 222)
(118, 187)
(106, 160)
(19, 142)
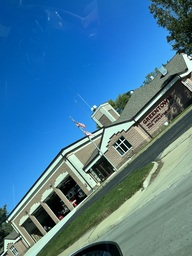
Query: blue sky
(52, 53)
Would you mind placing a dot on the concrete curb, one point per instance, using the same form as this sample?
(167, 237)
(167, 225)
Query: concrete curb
(148, 179)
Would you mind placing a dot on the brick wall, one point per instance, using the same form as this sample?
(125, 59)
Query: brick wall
(84, 153)
(135, 136)
(166, 109)
(45, 188)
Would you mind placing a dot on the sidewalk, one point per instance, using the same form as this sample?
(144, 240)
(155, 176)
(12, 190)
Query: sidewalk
(178, 154)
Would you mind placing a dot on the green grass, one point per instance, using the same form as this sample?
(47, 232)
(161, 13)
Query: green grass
(97, 212)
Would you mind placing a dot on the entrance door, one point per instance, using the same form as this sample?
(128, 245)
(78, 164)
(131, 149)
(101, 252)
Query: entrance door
(103, 169)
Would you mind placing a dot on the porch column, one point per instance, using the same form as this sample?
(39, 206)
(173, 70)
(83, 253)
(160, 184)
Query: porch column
(37, 224)
(50, 212)
(26, 236)
(63, 198)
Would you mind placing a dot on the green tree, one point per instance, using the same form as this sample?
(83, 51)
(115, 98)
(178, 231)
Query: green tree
(176, 17)
(5, 228)
(121, 101)
(150, 76)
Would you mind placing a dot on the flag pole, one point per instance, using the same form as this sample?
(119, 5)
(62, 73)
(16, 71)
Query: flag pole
(102, 154)
(81, 126)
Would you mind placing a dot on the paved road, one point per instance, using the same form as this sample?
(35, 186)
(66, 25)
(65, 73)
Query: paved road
(160, 227)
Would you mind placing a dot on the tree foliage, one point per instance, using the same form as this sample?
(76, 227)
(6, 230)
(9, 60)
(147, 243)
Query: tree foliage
(120, 102)
(150, 76)
(176, 17)
(5, 228)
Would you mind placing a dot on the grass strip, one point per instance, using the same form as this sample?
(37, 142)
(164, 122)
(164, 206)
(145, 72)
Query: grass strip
(97, 212)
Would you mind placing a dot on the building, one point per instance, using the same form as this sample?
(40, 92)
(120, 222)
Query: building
(13, 245)
(81, 167)
(104, 115)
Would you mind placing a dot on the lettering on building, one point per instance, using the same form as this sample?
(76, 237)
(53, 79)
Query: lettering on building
(160, 111)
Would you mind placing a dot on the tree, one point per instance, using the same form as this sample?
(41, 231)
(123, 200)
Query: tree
(5, 228)
(121, 101)
(150, 76)
(176, 17)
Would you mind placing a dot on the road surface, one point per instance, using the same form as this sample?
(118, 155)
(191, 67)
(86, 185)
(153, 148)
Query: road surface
(162, 227)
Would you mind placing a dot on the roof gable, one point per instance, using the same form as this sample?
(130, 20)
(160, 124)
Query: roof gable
(144, 94)
(12, 236)
(111, 130)
(108, 132)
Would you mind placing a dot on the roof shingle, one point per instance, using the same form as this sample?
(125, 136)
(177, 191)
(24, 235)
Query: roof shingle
(144, 94)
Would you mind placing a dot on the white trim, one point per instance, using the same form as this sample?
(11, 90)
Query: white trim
(19, 232)
(159, 95)
(4, 253)
(14, 250)
(104, 109)
(60, 178)
(33, 191)
(34, 207)
(119, 145)
(92, 163)
(46, 193)
(23, 219)
(110, 131)
(77, 167)
(189, 65)
(188, 83)
(75, 147)
(10, 241)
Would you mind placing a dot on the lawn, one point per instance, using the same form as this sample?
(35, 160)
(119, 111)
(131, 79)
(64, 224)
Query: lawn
(97, 212)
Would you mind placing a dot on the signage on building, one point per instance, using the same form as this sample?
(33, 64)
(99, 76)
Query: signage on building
(157, 113)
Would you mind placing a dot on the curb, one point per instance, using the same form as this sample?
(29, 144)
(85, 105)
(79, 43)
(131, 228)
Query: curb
(148, 179)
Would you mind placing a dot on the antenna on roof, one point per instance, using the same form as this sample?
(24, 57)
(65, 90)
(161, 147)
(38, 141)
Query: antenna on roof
(84, 100)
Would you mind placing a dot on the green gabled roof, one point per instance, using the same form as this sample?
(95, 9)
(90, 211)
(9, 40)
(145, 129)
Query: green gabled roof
(144, 94)
(12, 236)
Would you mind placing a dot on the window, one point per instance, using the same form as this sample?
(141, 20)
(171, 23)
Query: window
(122, 145)
(14, 250)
